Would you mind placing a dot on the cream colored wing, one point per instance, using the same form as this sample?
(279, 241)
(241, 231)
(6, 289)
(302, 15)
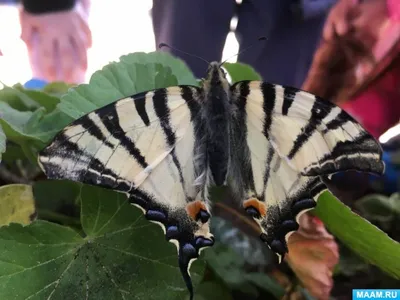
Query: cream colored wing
(290, 139)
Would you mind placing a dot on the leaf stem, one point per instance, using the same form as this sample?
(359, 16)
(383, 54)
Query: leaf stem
(237, 214)
(10, 177)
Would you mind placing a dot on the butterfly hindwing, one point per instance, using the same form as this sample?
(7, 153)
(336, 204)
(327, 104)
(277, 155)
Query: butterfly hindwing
(143, 146)
(289, 141)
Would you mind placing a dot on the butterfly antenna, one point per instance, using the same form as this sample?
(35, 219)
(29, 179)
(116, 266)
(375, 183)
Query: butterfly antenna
(263, 38)
(190, 54)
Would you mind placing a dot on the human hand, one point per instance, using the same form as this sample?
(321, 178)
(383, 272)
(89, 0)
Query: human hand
(338, 21)
(369, 19)
(57, 43)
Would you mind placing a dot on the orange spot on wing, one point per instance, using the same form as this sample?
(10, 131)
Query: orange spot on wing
(257, 204)
(193, 208)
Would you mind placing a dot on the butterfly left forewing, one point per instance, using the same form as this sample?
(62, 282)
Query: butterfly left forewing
(144, 146)
(286, 140)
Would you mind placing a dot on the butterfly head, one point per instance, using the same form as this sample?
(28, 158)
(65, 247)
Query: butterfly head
(216, 77)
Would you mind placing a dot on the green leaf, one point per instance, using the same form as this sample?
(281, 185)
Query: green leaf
(239, 72)
(17, 100)
(49, 125)
(13, 121)
(57, 88)
(359, 235)
(2, 142)
(350, 263)
(45, 100)
(12, 154)
(229, 267)
(31, 130)
(23, 99)
(58, 201)
(376, 207)
(250, 247)
(16, 204)
(121, 256)
(265, 282)
(210, 290)
(134, 73)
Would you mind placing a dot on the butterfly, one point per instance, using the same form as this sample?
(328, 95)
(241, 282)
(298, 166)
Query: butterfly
(273, 146)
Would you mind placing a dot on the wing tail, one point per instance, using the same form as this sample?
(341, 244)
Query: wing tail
(187, 229)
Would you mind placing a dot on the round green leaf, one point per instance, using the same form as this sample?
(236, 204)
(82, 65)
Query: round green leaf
(121, 255)
(134, 73)
(17, 204)
(239, 72)
(359, 235)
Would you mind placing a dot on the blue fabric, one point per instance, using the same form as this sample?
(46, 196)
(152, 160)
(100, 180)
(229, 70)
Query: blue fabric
(389, 181)
(392, 174)
(201, 27)
(312, 8)
(35, 84)
(11, 2)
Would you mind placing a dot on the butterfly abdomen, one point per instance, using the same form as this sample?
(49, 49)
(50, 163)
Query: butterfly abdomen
(217, 118)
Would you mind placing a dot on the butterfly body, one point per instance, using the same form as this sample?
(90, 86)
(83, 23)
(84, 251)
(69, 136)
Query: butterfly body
(271, 145)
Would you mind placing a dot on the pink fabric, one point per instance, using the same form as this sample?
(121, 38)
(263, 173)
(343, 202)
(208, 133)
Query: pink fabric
(378, 107)
(394, 9)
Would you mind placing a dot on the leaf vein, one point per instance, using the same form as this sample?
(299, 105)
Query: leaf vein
(41, 264)
(137, 256)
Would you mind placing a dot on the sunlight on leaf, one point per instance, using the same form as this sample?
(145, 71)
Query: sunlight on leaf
(17, 204)
(134, 73)
(239, 71)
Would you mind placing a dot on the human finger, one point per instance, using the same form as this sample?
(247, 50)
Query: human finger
(67, 61)
(47, 57)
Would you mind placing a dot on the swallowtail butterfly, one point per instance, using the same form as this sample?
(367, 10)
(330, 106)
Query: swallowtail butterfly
(272, 145)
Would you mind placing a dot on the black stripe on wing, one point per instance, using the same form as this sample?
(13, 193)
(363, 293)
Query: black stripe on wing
(268, 167)
(140, 104)
(89, 125)
(288, 97)
(162, 110)
(362, 153)
(317, 115)
(111, 121)
(269, 94)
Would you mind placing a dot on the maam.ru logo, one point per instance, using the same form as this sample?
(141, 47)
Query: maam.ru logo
(376, 294)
